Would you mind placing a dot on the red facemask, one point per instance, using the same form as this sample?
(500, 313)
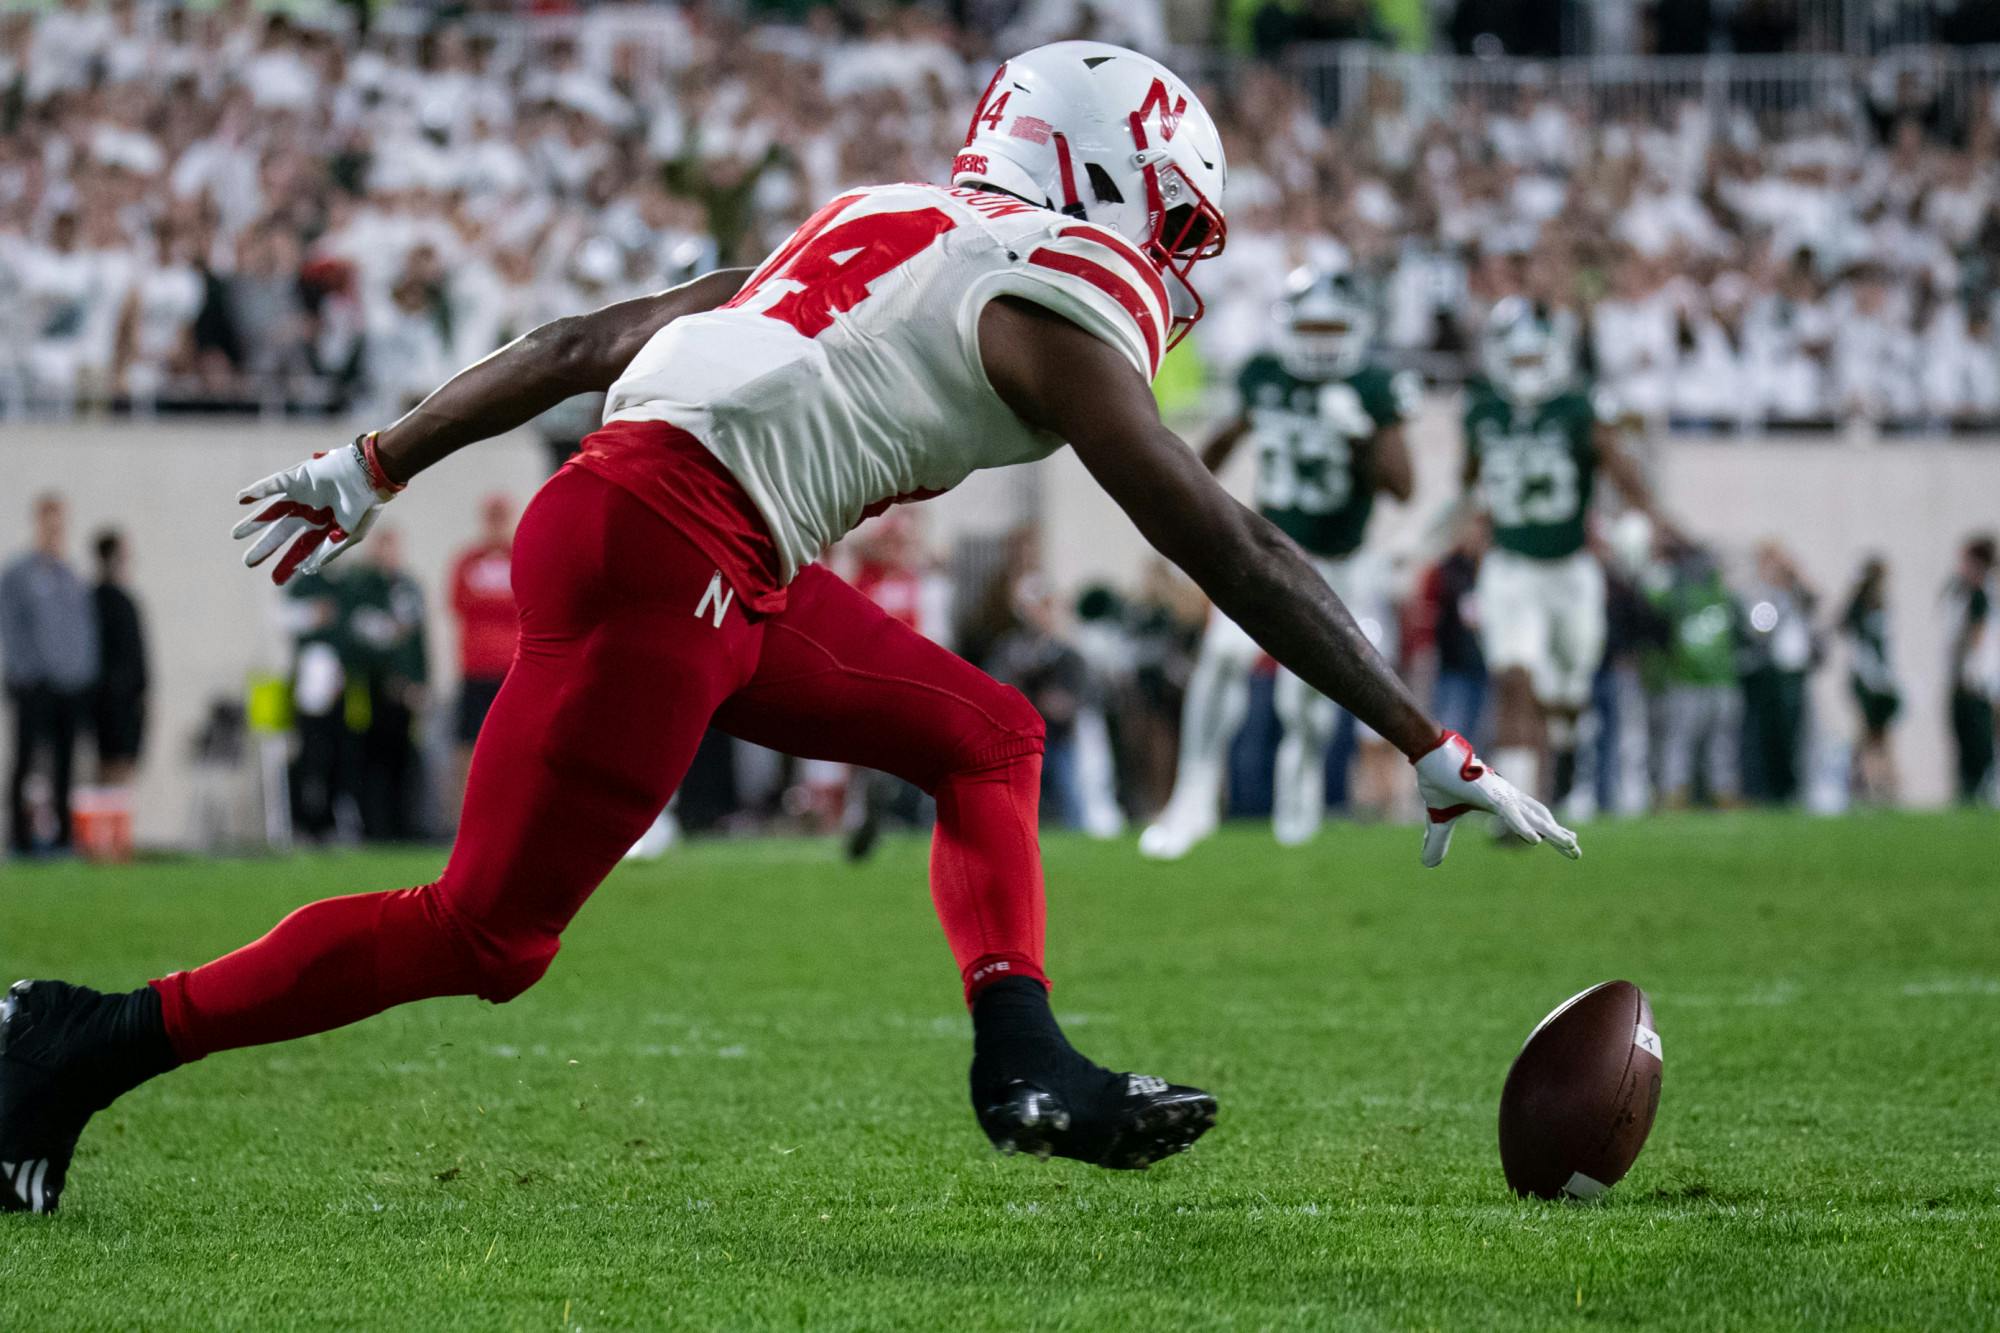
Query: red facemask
(1185, 232)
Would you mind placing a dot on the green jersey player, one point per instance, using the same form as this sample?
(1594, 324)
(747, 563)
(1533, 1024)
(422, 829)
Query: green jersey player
(1536, 438)
(1328, 433)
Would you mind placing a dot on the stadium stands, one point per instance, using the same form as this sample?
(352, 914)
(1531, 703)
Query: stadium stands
(229, 209)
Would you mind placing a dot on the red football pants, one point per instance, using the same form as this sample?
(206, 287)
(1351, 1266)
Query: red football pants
(630, 647)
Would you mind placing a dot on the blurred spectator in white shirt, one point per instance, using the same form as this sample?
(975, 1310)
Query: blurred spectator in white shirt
(1961, 363)
(1633, 334)
(1714, 382)
(67, 45)
(1876, 370)
(156, 326)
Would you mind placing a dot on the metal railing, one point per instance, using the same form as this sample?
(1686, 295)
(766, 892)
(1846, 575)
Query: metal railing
(1944, 84)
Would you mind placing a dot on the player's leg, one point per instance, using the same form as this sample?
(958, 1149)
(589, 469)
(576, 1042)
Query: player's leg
(839, 679)
(608, 698)
(660, 837)
(598, 719)
(1299, 783)
(1218, 695)
(1572, 596)
(1514, 633)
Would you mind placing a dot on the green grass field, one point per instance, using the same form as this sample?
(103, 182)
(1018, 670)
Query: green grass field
(738, 1099)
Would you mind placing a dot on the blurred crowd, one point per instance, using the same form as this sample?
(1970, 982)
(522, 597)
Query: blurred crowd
(201, 207)
(210, 208)
(1811, 268)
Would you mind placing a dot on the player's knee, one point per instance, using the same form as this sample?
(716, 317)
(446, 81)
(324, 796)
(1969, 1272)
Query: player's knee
(511, 969)
(1008, 730)
(1017, 720)
(501, 959)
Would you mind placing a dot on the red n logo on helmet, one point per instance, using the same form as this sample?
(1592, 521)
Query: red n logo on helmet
(1170, 116)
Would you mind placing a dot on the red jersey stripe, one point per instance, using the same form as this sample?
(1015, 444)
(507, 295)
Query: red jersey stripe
(1113, 286)
(1125, 250)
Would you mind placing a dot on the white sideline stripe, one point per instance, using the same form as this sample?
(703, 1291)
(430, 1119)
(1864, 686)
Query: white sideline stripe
(1648, 1040)
(1581, 1186)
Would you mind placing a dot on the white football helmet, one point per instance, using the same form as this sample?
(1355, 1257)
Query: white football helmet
(1110, 136)
(1324, 325)
(1528, 353)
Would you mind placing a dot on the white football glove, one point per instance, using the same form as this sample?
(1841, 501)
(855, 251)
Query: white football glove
(1454, 782)
(320, 510)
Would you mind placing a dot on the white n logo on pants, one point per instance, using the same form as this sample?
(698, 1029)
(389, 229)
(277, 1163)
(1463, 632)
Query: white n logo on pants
(718, 596)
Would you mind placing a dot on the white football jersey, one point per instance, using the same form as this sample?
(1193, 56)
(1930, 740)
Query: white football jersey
(846, 375)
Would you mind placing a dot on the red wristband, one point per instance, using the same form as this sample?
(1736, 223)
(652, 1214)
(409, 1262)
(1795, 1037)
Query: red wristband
(1444, 738)
(377, 476)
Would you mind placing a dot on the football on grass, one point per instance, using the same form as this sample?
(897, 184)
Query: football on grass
(1580, 1098)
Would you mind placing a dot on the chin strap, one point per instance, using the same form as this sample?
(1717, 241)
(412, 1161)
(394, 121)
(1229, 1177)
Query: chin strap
(1072, 204)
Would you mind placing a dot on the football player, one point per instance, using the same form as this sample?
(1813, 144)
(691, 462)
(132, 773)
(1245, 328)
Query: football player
(1328, 430)
(903, 337)
(1535, 439)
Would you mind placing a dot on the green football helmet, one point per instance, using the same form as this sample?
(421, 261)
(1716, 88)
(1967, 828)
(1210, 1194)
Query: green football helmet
(1527, 352)
(1325, 325)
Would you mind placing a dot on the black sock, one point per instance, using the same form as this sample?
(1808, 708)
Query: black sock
(1015, 1037)
(114, 1042)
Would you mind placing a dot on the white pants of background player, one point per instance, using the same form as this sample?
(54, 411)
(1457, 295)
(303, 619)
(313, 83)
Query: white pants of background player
(1218, 695)
(1547, 618)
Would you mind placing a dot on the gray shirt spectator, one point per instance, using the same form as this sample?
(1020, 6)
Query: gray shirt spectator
(48, 636)
(48, 628)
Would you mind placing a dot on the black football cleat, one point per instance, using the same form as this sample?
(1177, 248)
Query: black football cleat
(66, 1053)
(1146, 1120)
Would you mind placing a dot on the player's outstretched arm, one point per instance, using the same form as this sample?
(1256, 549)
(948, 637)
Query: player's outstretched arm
(541, 368)
(322, 508)
(1061, 379)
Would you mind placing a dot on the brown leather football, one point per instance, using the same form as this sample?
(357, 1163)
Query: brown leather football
(1580, 1098)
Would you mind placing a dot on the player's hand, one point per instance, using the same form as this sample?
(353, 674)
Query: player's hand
(1455, 782)
(314, 512)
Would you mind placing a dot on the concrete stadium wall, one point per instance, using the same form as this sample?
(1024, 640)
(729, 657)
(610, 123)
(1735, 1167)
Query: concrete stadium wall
(172, 486)
(172, 489)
